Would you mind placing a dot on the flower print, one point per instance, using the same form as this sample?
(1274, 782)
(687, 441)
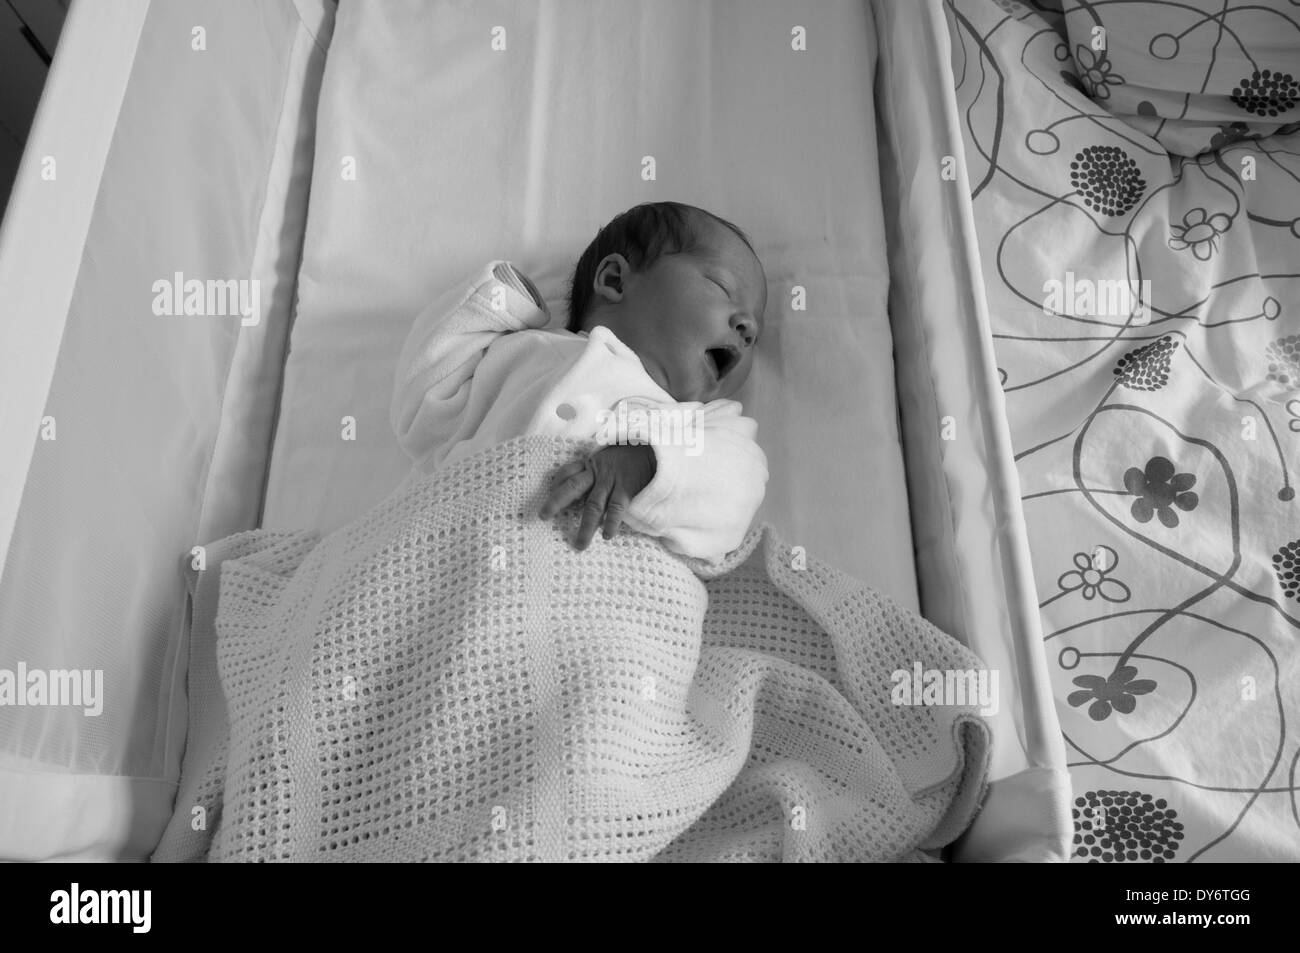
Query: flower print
(1283, 356)
(1118, 692)
(1147, 367)
(1107, 178)
(1158, 490)
(1091, 576)
(1230, 133)
(1266, 93)
(1286, 563)
(1200, 232)
(1095, 72)
(1125, 827)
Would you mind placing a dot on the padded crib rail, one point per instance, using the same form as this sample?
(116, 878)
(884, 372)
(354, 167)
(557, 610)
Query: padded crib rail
(147, 269)
(967, 525)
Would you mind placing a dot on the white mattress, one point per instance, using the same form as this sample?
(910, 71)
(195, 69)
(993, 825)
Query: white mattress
(463, 154)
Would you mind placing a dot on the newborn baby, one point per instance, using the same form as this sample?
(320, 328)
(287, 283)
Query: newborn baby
(665, 311)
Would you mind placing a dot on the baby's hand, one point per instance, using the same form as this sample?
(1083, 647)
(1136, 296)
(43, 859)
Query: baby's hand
(610, 478)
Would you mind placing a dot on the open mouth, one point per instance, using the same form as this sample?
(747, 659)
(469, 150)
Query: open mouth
(722, 360)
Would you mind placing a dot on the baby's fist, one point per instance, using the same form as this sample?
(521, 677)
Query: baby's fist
(610, 478)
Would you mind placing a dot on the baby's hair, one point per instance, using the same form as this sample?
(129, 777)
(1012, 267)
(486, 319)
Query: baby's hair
(642, 235)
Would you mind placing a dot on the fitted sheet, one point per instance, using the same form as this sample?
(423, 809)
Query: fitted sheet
(436, 153)
(1157, 450)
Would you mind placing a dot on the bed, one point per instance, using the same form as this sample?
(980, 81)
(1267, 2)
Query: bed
(358, 162)
(1157, 442)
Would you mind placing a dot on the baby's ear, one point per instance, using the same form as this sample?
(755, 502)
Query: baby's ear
(611, 277)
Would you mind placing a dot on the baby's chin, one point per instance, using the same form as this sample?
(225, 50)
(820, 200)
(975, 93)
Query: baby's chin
(658, 375)
(701, 394)
(683, 386)
(686, 386)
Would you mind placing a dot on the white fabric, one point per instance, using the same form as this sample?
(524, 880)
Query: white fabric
(479, 368)
(973, 549)
(1025, 819)
(44, 228)
(161, 423)
(445, 678)
(463, 154)
(971, 552)
(49, 815)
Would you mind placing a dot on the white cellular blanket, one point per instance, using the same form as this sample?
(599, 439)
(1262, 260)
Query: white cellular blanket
(447, 679)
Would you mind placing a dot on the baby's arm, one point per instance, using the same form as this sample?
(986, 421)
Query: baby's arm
(698, 495)
(705, 490)
(446, 343)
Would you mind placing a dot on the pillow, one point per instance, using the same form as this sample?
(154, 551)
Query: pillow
(1195, 75)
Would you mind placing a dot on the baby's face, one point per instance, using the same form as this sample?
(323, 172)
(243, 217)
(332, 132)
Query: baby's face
(694, 319)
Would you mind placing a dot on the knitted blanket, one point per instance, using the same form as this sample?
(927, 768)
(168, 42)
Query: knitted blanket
(447, 679)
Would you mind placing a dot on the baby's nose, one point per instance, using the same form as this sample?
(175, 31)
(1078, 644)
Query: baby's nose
(746, 327)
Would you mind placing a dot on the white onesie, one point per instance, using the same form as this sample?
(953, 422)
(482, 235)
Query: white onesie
(477, 369)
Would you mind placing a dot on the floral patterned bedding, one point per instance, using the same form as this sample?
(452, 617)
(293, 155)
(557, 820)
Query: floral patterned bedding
(1146, 312)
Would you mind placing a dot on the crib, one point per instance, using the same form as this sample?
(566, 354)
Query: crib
(354, 162)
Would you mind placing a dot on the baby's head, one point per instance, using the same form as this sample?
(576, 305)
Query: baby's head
(680, 287)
